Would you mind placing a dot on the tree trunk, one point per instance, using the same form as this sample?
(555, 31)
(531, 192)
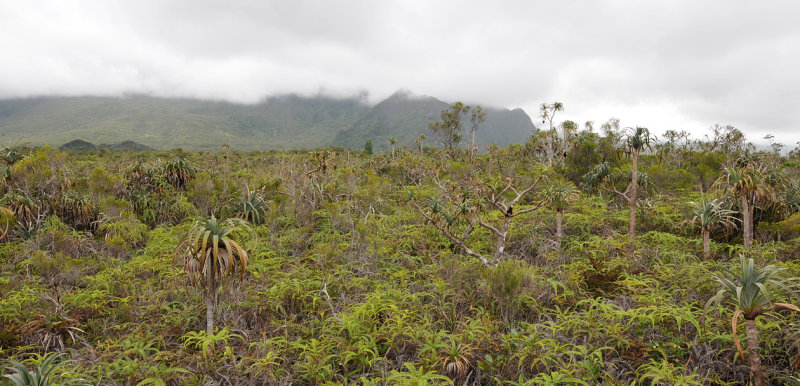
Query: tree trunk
(632, 202)
(501, 241)
(747, 223)
(209, 311)
(752, 350)
(751, 206)
(210, 295)
(706, 243)
(559, 234)
(472, 148)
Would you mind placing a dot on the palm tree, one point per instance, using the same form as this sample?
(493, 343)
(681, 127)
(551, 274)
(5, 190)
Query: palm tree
(559, 196)
(478, 117)
(710, 214)
(547, 113)
(750, 295)
(211, 255)
(743, 183)
(638, 139)
(392, 141)
(421, 141)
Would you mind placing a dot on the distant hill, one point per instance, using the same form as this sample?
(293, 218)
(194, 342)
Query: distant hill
(128, 146)
(82, 146)
(401, 116)
(405, 117)
(78, 145)
(283, 122)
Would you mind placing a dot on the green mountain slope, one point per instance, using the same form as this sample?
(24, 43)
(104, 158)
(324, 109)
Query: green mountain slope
(283, 122)
(405, 117)
(277, 123)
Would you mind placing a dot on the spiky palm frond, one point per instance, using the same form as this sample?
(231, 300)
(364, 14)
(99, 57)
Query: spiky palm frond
(43, 373)
(640, 138)
(79, 210)
(560, 194)
(593, 178)
(710, 214)
(752, 292)
(211, 251)
(12, 154)
(179, 172)
(749, 289)
(739, 180)
(22, 205)
(253, 207)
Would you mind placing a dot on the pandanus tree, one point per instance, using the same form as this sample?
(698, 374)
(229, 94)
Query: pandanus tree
(253, 207)
(751, 293)
(211, 255)
(638, 139)
(420, 141)
(559, 196)
(743, 184)
(392, 142)
(179, 172)
(709, 215)
(548, 112)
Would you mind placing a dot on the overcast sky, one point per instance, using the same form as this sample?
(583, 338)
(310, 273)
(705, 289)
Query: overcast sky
(681, 65)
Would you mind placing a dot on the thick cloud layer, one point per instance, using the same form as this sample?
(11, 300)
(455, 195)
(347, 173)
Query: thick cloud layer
(664, 65)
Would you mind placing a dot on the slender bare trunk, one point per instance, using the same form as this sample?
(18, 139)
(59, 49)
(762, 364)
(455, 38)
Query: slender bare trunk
(472, 148)
(752, 350)
(747, 223)
(559, 233)
(209, 308)
(751, 206)
(501, 241)
(550, 145)
(706, 243)
(632, 202)
(210, 295)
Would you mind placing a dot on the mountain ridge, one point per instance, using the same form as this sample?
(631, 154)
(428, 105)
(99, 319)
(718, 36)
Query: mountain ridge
(287, 121)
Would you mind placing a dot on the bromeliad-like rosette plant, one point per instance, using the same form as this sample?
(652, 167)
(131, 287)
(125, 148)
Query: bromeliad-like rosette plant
(211, 255)
(751, 293)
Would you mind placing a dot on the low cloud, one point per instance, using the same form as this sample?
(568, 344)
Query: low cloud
(665, 65)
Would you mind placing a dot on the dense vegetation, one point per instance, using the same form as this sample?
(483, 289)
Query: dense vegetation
(281, 122)
(518, 265)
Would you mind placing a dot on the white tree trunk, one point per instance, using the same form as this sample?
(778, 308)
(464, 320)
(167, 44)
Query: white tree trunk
(559, 233)
(747, 223)
(632, 201)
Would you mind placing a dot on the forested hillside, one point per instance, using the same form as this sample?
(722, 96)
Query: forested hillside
(281, 122)
(575, 258)
(405, 118)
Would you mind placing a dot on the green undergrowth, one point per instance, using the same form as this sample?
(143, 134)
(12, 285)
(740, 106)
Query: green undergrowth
(348, 283)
